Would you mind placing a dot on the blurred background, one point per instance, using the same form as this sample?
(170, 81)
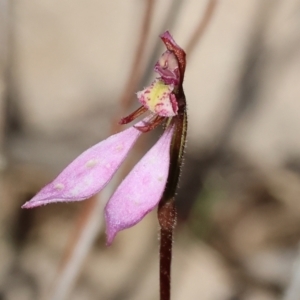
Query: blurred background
(70, 69)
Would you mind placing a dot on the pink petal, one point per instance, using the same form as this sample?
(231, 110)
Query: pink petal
(141, 190)
(89, 172)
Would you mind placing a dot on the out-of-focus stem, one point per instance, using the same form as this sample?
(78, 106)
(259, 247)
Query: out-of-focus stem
(202, 26)
(293, 289)
(4, 57)
(136, 69)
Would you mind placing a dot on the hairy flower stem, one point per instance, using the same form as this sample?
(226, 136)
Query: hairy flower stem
(167, 214)
(167, 218)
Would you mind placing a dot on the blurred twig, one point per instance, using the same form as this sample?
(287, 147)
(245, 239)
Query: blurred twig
(169, 22)
(245, 97)
(200, 29)
(91, 225)
(293, 288)
(4, 37)
(136, 68)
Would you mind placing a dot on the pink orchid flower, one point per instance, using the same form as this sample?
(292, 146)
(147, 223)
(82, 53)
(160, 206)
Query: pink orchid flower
(142, 189)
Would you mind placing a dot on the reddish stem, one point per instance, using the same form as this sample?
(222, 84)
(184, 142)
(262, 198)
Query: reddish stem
(167, 219)
(167, 215)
